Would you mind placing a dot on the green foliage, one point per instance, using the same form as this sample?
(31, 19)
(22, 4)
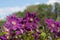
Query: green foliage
(1, 33)
(31, 8)
(57, 11)
(2, 22)
(43, 34)
(20, 14)
(27, 37)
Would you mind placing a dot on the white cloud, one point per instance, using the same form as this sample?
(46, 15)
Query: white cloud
(9, 10)
(37, 3)
(53, 1)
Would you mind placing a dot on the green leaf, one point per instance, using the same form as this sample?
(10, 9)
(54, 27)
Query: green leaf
(1, 33)
(43, 34)
(5, 32)
(58, 39)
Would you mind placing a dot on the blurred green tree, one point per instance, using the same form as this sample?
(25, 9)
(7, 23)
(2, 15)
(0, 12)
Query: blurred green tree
(57, 11)
(20, 14)
(2, 22)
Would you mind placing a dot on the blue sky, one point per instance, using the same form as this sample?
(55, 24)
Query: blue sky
(7, 7)
(13, 3)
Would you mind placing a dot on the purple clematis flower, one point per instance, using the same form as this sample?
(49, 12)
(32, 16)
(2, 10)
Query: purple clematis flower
(31, 17)
(13, 22)
(54, 27)
(17, 26)
(14, 25)
(31, 21)
(51, 25)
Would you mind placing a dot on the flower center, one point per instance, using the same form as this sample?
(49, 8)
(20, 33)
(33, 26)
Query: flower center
(53, 25)
(13, 22)
(31, 19)
(23, 25)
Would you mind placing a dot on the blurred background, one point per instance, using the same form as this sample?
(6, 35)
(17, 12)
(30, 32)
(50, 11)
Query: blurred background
(43, 8)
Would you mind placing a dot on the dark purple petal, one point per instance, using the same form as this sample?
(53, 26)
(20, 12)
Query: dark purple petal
(3, 38)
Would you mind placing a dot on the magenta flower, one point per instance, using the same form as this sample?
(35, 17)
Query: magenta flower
(54, 27)
(31, 21)
(13, 22)
(3, 37)
(31, 17)
(17, 26)
(51, 25)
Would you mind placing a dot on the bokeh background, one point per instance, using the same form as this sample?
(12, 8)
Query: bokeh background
(43, 8)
